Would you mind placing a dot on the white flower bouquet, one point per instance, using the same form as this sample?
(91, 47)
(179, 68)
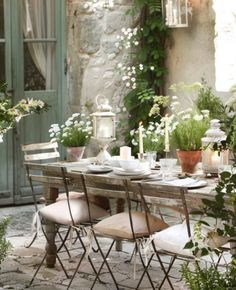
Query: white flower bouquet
(153, 137)
(75, 132)
(187, 127)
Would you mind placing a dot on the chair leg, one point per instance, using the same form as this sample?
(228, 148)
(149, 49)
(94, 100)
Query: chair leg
(162, 267)
(145, 271)
(28, 245)
(36, 272)
(167, 273)
(104, 262)
(80, 261)
(137, 247)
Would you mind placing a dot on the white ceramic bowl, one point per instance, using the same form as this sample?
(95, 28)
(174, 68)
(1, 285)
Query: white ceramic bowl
(130, 165)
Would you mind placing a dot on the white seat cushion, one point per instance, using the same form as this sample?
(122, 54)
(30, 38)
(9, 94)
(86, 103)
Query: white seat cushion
(118, 225)
(174, 238)
(58, 212)
(72, 195)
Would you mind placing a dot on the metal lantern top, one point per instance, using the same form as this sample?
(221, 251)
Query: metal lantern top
(103, 107)
(214, 133)
(175, 13)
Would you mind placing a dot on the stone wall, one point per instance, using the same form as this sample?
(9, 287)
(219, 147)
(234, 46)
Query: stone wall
(93, 55)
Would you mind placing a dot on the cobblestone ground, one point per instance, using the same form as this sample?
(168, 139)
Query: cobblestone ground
(18, 268)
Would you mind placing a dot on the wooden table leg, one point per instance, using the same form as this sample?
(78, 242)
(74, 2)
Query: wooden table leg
(119, 208)
(50, 196)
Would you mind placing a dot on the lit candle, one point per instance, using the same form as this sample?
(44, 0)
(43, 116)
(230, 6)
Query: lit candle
(125, 153)
(140, 129)
(167, 143)
(215, 159)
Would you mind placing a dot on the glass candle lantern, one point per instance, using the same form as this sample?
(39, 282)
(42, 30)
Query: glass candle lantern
(103, 126)
(212, 159)
(175, 13)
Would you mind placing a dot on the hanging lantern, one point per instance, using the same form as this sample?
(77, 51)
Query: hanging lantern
(103, 126)
(175, 13)
(212, 159)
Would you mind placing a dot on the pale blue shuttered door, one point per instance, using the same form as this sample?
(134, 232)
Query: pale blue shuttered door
(34, 68)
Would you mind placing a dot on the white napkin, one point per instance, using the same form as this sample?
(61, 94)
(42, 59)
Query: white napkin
(182, 182)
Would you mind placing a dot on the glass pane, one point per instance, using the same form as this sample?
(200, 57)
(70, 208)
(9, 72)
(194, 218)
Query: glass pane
(39, 66)
(39, 19)
(2, 62)
(1, 19)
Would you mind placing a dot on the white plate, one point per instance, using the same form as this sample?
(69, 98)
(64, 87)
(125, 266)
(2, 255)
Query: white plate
(197, 184)
(188, 182)
(138, 172)
(98, 168)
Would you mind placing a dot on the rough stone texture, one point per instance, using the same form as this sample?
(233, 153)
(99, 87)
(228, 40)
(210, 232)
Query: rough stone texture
(92, 38)
(18, 268)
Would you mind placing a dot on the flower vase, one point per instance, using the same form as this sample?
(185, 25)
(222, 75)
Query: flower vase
(189, 160)
(75, 153)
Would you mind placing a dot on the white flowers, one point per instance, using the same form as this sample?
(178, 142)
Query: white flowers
(127, 39)
(76, 131)
(153, 136)
(95, 5)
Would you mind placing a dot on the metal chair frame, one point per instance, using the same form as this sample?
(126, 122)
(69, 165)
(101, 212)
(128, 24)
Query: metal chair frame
(160, 194)
(93, 184)
(59, 181)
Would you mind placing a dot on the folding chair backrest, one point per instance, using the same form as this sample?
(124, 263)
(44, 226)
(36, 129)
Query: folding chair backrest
(104, 186)
(52, 175)
(40, 151)
(168, 200)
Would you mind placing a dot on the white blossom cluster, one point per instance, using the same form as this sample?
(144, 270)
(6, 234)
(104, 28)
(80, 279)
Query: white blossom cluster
(127, 39)
(10, 115)
(94, 5)
(129, 73)
(76, 131)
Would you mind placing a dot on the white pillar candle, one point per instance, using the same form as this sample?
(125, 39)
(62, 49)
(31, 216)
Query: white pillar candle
(140, 129)
(125, 153)
(215, 159)
(167, 142)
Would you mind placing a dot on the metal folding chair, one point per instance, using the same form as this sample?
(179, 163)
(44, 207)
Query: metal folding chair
(70, 213)
(172, 208)
(132, 226)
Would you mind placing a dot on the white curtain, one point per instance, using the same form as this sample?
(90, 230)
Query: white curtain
(39, 22)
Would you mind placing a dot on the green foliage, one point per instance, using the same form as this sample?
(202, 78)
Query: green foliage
(152, 35)
(4, 244)
(208, 101)
(11, 114)
(208, 278)
(75, 132)
(189, 132)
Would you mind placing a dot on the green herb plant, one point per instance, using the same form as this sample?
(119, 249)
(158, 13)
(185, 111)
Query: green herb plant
(4, 244)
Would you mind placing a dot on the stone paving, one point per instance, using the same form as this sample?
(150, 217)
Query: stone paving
(18, 268)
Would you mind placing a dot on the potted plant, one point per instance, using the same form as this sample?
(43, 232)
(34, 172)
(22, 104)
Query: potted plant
(186, 129)
(74, 134)
(4, 244)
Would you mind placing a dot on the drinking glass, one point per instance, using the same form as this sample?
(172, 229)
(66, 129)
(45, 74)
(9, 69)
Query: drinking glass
(167, 165)
(151, 157)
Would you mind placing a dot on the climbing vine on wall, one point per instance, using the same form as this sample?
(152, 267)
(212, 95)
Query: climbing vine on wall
(148, 57)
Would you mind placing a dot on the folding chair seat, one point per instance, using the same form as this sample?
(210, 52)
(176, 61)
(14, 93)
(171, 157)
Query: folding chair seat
(43, 153)
(172, 240)
(132, 226)
(71, 213)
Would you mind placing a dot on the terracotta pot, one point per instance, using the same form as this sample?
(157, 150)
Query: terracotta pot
(75, 153)
(189, 160)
